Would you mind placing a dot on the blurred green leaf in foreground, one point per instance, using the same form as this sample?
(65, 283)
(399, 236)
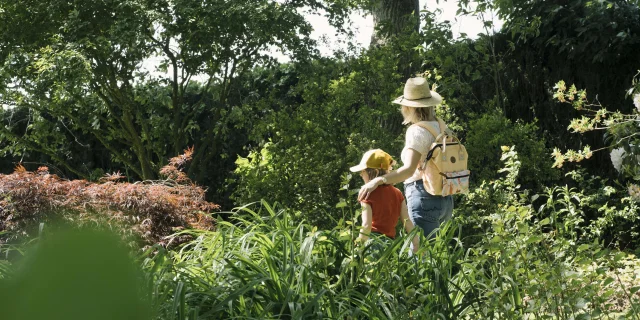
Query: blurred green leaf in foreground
(74, 275)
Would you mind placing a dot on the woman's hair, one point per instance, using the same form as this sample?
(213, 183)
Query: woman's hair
(374, 173)
(415, 115)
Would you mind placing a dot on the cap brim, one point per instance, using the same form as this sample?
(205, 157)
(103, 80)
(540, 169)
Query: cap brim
(435, 100)
(358, 168)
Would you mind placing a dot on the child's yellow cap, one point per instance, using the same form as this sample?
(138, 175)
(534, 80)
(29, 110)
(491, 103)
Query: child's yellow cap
(374, 159)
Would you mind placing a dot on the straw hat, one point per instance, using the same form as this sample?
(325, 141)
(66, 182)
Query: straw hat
(418, 94)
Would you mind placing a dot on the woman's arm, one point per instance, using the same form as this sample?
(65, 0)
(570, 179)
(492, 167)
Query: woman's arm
(393, 177)
(367, 217)
(408, 226)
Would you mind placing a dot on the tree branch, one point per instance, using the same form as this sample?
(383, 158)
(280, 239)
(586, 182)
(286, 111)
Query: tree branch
(36, 147)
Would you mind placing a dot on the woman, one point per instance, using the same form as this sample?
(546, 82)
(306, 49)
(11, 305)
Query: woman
(425, 210)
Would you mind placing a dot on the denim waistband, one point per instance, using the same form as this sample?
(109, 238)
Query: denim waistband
(413, 183)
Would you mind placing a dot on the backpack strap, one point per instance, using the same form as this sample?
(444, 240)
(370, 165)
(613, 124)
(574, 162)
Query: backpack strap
(442, 134)
(436, 134)
(443, 126)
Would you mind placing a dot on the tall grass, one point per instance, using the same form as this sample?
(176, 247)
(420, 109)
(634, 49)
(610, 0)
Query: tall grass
(516, 263)
(262, 265)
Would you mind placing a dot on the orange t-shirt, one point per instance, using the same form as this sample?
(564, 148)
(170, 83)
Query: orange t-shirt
(386, 202)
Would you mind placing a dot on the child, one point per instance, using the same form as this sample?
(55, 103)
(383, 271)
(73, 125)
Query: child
(385, 205)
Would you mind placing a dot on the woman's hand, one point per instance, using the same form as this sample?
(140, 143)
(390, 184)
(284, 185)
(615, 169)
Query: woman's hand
(368, 188)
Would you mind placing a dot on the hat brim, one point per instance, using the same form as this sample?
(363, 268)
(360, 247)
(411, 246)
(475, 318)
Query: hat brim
(358, 168)
(435, 100)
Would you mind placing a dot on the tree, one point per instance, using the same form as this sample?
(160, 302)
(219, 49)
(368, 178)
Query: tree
(396, 34)
(393, 18)
(589, 43)
(77, 66)
(314, 129)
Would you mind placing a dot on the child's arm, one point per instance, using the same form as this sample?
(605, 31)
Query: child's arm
(367, 216)
(408, 226)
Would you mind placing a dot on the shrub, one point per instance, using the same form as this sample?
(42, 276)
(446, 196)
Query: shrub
(598, 210)
(491, 131)
(264, 265)
(533, 262)
(148, 210)
(305, 141)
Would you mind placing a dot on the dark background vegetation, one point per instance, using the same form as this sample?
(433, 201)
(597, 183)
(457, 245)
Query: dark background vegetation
(89, 140)
(287, 132)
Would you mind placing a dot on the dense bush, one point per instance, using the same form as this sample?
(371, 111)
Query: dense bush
(491, 131)
(264, 265)
(539, 255)
(309, 138)
(596, 210)
(602, 208)
(520, 263)
(147, 211)
(340, 103)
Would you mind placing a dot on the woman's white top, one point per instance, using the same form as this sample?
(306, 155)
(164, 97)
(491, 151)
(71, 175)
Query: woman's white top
(420, 140)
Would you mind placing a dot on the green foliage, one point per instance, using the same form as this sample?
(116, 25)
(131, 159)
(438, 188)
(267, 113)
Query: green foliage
(78, 82)
(589, 43)
(521, 264)
(488, 133)
(81, 100)
(536, 263)
(467, 71)
(74, 275)
(619, 220)
(596, 210)
(622, 129)
(265, 266)
(308, 139)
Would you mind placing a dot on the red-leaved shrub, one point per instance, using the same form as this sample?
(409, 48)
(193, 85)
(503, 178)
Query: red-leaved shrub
(151, 210)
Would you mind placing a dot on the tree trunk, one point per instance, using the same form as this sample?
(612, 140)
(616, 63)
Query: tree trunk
(397, 20)
(393, 18)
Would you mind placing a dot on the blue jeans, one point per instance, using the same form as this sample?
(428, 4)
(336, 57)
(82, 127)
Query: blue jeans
(425, 210)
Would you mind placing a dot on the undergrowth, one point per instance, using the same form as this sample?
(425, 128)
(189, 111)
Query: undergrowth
(145, 212)
(524, 265)
(518, 261)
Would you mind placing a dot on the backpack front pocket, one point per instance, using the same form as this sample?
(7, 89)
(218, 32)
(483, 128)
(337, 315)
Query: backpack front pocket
(455, 182)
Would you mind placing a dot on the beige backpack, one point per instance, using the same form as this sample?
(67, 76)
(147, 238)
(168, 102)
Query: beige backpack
(444, 171)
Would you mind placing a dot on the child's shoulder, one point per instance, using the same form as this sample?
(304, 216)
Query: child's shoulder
(392, 189)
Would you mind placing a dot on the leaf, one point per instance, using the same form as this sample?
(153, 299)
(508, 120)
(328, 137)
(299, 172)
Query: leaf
(607, 281)
(534, 239)
(542, 207)
(583, 247)
(619, 256)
